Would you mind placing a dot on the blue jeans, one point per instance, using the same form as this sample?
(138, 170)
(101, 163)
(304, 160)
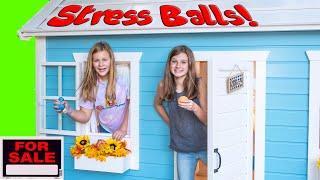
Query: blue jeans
(187, 163)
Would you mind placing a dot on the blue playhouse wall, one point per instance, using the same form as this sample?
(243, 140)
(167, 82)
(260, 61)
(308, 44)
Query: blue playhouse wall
(287, 96)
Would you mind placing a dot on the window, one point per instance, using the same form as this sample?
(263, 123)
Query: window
(128, 69)
(59, 81)
(55, 79)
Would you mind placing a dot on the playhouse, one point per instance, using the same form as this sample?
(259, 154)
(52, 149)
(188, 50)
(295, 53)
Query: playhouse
(263, 126)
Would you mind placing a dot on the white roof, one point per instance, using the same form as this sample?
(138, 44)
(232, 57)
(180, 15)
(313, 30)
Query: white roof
(281, 15)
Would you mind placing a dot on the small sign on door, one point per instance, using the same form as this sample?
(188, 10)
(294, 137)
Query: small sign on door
(235, 80)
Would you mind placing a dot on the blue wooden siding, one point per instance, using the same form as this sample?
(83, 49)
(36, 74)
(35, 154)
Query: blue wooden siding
(287, 95)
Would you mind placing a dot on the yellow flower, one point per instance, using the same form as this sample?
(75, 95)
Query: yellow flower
(105, 149)
(75, 151)
(91, 151)
(113, 144)
(121, 152)
(318, 163)
(100, 150)
(82, 141)
(101, 144)
(123, 144)
(101, 158)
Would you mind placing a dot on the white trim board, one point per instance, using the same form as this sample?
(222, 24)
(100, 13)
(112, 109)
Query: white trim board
(40, 84)
(25, 35)
(314, 114)
(260, 57)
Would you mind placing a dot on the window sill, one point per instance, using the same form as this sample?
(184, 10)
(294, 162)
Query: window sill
(112, 164)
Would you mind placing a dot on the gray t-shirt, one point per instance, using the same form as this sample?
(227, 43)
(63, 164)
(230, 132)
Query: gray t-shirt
(187, 133)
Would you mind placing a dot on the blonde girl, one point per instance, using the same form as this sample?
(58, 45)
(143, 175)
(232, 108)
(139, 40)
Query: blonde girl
(186, 112)
(102, 93)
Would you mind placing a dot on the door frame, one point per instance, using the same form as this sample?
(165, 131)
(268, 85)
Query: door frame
(260, 58)
(314, 113)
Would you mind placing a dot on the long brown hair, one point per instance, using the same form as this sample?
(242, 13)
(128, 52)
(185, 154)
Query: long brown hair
(189, 83)
(88, 85)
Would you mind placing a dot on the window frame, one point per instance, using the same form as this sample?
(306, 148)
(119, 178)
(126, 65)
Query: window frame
(133, 59)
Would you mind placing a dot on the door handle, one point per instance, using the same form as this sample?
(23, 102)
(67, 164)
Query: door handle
(219, 155)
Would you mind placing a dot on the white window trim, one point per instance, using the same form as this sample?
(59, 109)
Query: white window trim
(134, 59)
(40, 81)
(41, 97)
(260, 57)
(314, 113)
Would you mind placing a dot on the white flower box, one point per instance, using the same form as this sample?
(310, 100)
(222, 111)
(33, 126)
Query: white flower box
(112, 164)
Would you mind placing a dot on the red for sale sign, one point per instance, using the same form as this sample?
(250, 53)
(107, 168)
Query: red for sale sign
(32, 157)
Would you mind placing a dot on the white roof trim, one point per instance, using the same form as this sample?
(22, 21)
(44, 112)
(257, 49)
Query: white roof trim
(284, 17)
(38, 18)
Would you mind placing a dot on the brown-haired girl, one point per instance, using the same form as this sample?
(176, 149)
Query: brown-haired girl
(186, 112)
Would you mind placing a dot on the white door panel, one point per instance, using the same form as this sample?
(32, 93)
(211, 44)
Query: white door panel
(233, 153)
(231, 120)
(231, 137)
(230, 103)
(232, 171)
(231, 129)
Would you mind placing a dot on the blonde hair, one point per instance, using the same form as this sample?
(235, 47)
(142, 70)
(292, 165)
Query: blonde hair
(88, 86)
(189, 83)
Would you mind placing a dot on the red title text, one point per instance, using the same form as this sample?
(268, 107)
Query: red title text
(31, 153)
(171, 16)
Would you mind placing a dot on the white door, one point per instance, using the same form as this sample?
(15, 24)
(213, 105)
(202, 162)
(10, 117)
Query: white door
(230, 134)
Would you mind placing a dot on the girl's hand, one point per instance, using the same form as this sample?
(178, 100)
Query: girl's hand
(119, 134)
(67, 109)
(188, 105)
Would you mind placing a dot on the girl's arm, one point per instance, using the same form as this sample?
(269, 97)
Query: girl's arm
(83, 115)
(158, 104)
(201, 111)
(122, 131)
